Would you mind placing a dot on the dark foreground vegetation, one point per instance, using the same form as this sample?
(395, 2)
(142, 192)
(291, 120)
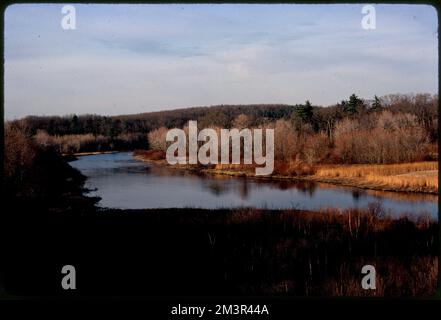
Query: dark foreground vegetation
(36, 175)
(220, 252)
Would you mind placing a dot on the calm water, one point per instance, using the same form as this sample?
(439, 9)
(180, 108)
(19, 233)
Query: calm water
(123, 182)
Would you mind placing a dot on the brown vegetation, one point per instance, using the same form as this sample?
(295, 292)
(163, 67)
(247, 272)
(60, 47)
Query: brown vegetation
(82, 143)
(312, 241)
(265, 252)
(418, 176)
(392, 129)
(243, 252)
(156, 139)
(149, 154)
(388, 139)
(326, 145)
(19, 158)
(34, 172)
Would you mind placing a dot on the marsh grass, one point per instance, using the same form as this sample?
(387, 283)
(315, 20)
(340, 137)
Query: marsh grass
(417, 176)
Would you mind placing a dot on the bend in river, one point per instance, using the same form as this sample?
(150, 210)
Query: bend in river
(126, 183)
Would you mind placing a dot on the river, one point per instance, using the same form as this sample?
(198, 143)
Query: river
(124, 182)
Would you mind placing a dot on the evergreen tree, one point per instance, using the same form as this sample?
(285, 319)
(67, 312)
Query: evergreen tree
(305, 112)
(376, 105)
(75, 124)
(352, 106)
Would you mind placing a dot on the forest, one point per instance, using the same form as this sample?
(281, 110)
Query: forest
(389, 129)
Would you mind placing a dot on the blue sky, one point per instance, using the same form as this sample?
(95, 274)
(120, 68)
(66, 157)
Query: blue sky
(139, 58)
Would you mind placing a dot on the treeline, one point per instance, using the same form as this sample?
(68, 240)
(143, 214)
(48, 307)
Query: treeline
(74, 143)
(112, 126)
(390, 129)
(424, 106)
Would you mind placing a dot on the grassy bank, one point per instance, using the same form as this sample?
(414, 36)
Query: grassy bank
(409, 177)
(421, 177)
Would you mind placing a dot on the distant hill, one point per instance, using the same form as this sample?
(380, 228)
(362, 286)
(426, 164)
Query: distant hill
(423, 105)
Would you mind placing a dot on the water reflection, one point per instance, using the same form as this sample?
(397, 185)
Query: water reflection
(356, 194)
(217, 188)
(123, 182)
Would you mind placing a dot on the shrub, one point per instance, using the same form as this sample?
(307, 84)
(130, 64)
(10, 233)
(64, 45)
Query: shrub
(157, 140)
(394, 139)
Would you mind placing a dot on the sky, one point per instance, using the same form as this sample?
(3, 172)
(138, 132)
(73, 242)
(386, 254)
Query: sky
(125, 59)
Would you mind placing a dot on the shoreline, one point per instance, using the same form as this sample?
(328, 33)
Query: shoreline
(345, 182)
(91, 153)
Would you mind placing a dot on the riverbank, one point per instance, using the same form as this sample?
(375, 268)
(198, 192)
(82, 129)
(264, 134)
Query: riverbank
(79, 154)
(418, 177)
